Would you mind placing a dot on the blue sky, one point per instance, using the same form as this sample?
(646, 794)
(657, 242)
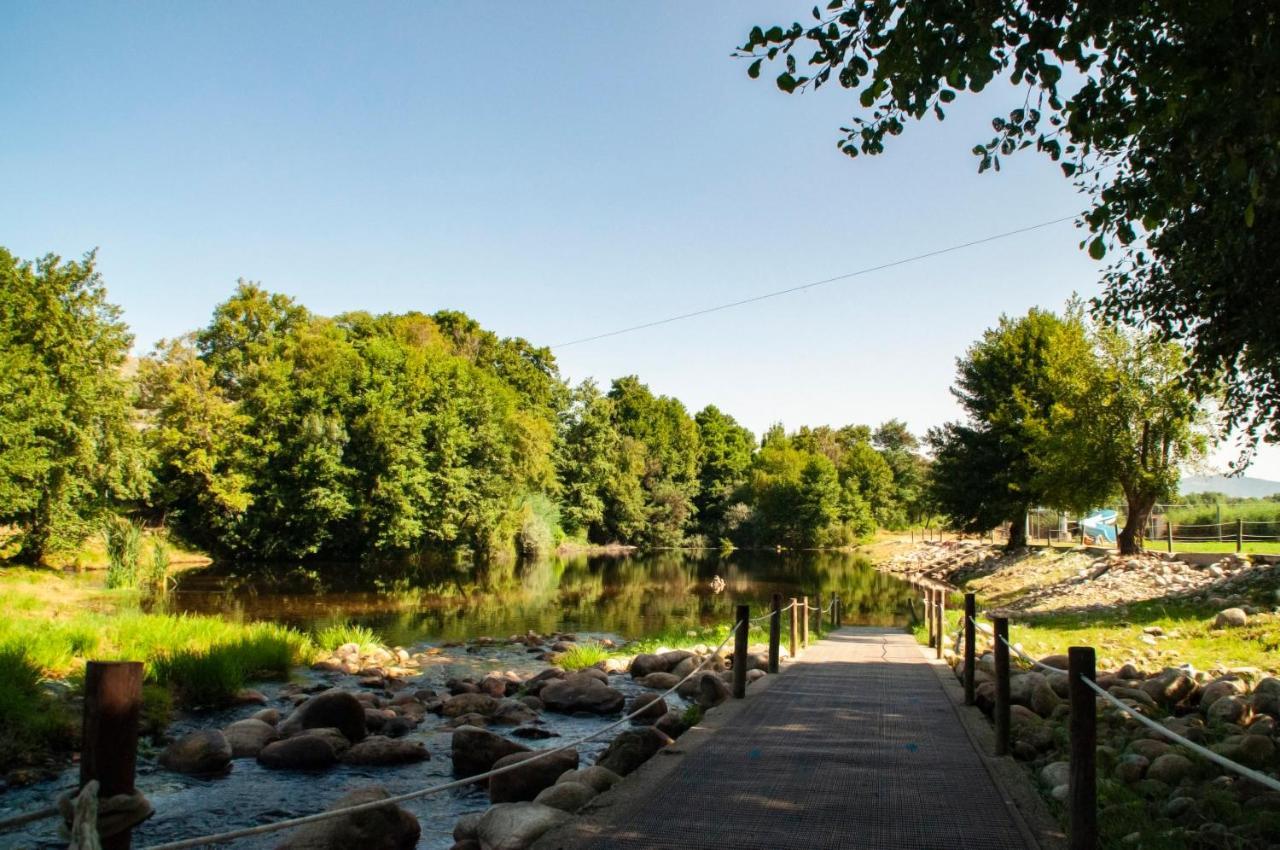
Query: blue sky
(556, 172)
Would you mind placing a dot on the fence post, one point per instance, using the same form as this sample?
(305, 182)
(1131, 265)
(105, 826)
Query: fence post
(1219, 523)
(970, 651)
(1239, 534)
(743, 626)
(112, 703)
(942, 619)
(775, 632)
(1168, 528)
(1001, 628)
(804, 624)
(1083, 786)
(795, 630)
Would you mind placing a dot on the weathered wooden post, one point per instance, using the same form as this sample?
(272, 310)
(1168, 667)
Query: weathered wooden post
(112, 703)
(1219, 523)
(970, 650)
(1001, 629)
(1239, 534)
(743, 626)
(942, 620)
(804, 623)
(1083, 786)
(795, 629)
(1168, 529)
(775, 632)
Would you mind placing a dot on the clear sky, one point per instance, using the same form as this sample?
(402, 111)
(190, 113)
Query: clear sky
(555, 170)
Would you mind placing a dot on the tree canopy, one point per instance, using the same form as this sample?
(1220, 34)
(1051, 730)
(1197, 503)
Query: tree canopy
(1164, 112)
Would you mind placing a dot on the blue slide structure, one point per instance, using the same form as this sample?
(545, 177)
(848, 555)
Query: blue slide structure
(1099, 527)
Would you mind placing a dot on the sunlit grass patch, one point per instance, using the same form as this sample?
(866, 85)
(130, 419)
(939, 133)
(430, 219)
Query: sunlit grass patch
(330, 638)
(581, 656)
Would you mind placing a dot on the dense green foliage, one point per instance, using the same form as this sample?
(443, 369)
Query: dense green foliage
(1064, 414)
(274, 434)
(1164, 112)
(67, 446)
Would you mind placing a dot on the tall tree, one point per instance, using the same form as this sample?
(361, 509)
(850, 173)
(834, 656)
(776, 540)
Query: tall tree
(1165, 112)
(727, 449)
(67, 445)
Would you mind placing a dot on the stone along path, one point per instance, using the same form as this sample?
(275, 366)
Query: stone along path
(856, 744)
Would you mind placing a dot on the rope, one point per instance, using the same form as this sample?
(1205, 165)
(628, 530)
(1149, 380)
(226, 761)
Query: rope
(246, 832)
(1248, 773)
(1022, 654)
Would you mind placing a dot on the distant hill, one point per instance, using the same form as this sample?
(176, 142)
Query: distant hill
(1240, 488)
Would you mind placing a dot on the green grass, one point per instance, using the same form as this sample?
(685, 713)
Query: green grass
(331, 637)
(1227, 546)
(581, 656)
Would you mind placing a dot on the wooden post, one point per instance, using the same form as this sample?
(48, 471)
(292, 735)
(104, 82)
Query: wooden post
(942, 620)
(1001, 625)
(1239, 534)
(740, 652)
(804, 623)
(1083, 787)
(795, 629)
(775, 632)
(1168, 529)
(970, 650)
(931, 609)
(112, 703)
(1219, 522)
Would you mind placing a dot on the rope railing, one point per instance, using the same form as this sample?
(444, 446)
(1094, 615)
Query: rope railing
(1082, 791)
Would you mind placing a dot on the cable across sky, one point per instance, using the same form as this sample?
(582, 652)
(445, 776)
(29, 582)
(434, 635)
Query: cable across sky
(801, 288)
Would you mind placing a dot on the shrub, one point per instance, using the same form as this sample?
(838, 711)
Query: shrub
(31, 722)
(331, 637)
(582, 655)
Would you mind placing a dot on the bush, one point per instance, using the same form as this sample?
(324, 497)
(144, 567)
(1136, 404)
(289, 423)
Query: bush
(582, 655)
(539, 526)
(332, 637)
(31, 722)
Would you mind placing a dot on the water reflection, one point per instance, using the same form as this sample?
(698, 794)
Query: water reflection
(630, 595)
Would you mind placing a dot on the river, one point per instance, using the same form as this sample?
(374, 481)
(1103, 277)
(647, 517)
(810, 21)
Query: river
(445, 604)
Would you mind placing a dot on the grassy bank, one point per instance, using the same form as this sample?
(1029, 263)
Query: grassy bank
(51, 623)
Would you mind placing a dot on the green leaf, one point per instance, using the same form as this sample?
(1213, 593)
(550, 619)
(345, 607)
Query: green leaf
(754, 70)
(946, 95)
(1097, 248)
(787, 83)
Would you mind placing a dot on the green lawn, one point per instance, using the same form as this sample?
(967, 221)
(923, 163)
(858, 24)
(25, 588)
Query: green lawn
(1225, 547)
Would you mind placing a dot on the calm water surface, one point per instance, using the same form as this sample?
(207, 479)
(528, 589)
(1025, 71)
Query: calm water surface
(622, 597)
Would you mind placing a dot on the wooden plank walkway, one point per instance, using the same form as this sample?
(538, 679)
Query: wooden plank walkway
(856, 744)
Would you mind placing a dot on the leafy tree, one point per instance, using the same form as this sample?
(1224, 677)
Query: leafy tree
(727, 450)
(1139, 102)
(67, 446)
(587, 461)
(868, 475)
(1125, 420)
(990, 470)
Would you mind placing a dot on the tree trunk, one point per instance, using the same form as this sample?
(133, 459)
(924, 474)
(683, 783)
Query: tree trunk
(1139, 512)
(1017, 532)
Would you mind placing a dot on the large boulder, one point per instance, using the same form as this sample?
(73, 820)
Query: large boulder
(651, 707)
(1170, 768)
(1021, 687)
(1217, 689)
(381, 750)
(200, 753)
(248, 737)
(1169, 687)
(1266, 697)
(536, 771)
(1230, 709)
(515, 826)
(632, 748)
(1231, 618)
(659, 681)
(599, 778)
(333, 708)
(689, 687)
(566, 796)
(712, 691)
(469, 703)
(581, 693)
(301, 752)
(646, 662)
(475, 750)
(384, 828)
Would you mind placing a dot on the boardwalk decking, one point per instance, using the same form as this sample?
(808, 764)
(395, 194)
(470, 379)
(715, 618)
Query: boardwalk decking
(855, 745)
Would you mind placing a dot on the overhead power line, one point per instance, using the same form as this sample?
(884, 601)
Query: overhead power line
(780, 292)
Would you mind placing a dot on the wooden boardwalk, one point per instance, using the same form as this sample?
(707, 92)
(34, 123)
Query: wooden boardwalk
(856, 744)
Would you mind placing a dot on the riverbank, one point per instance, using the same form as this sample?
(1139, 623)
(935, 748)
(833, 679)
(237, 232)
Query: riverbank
(1192, 646)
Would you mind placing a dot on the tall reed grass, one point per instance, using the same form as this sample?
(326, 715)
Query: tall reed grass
(124, 550)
